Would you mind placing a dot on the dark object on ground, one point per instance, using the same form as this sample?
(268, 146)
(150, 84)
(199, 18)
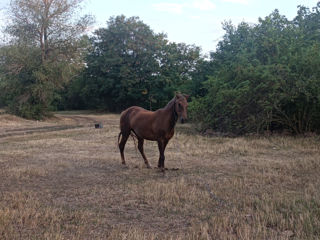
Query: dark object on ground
(98, 125)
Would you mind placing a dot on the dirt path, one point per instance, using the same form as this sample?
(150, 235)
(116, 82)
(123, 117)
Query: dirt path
(72, 122)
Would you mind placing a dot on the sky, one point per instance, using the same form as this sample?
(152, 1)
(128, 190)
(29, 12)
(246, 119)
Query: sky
(197, 22)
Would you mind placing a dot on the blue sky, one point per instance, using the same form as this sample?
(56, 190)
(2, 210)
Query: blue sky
(190, 21)
(193, 21)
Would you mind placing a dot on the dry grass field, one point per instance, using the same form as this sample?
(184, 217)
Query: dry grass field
(62, 179)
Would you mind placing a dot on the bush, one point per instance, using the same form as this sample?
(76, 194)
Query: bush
(264, 77)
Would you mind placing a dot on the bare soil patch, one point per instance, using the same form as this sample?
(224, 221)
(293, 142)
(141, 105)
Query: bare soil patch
(62, 179)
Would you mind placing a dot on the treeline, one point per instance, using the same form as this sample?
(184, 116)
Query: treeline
(261, 77)
(264, 77)
(128, 64)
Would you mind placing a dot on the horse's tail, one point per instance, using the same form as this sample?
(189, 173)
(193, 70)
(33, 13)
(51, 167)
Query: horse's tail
(120, 134)
(125, 128)
(134, 137)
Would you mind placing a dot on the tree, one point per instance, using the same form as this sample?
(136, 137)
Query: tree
(129, 65)
(264, 77)
(44, 52)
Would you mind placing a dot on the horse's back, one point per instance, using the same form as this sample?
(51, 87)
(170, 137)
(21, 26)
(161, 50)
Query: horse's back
(128, 115)
(139, 120)
(130, 112)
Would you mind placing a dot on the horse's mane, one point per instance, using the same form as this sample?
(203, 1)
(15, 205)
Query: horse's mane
(173, 101)
(171, 105)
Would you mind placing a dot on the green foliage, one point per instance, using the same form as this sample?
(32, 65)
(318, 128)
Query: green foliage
(264, 77)
(45, 51)
(261, 77)
(20, 76)
(129, 65)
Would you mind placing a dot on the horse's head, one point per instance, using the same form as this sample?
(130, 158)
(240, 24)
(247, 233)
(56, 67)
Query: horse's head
(181, 106)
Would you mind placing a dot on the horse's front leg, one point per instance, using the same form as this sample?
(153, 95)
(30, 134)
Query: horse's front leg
(162, 146)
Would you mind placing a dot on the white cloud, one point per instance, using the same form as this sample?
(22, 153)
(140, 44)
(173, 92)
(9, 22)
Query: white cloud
(246, 2)
(169, 7)
(195, 17)
(203, 5)
(178, 8)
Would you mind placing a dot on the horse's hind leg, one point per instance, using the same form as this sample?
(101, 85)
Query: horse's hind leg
(122, 144)
(140, 147)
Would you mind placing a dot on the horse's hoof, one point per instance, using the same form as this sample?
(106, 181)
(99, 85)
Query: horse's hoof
(175, 169)
(124, 165)
(162, 169)
(149, 166)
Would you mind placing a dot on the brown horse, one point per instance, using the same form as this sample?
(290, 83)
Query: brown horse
(155, 126)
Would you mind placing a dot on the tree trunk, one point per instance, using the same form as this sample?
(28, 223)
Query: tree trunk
(42, 46)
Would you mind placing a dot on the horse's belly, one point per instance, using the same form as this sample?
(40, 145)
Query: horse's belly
(146, 126)
(169, 135)
(145, 133)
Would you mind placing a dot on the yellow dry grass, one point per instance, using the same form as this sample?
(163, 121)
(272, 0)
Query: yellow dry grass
(62, 179)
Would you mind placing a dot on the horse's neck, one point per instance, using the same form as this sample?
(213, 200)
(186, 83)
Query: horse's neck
(170, 110)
